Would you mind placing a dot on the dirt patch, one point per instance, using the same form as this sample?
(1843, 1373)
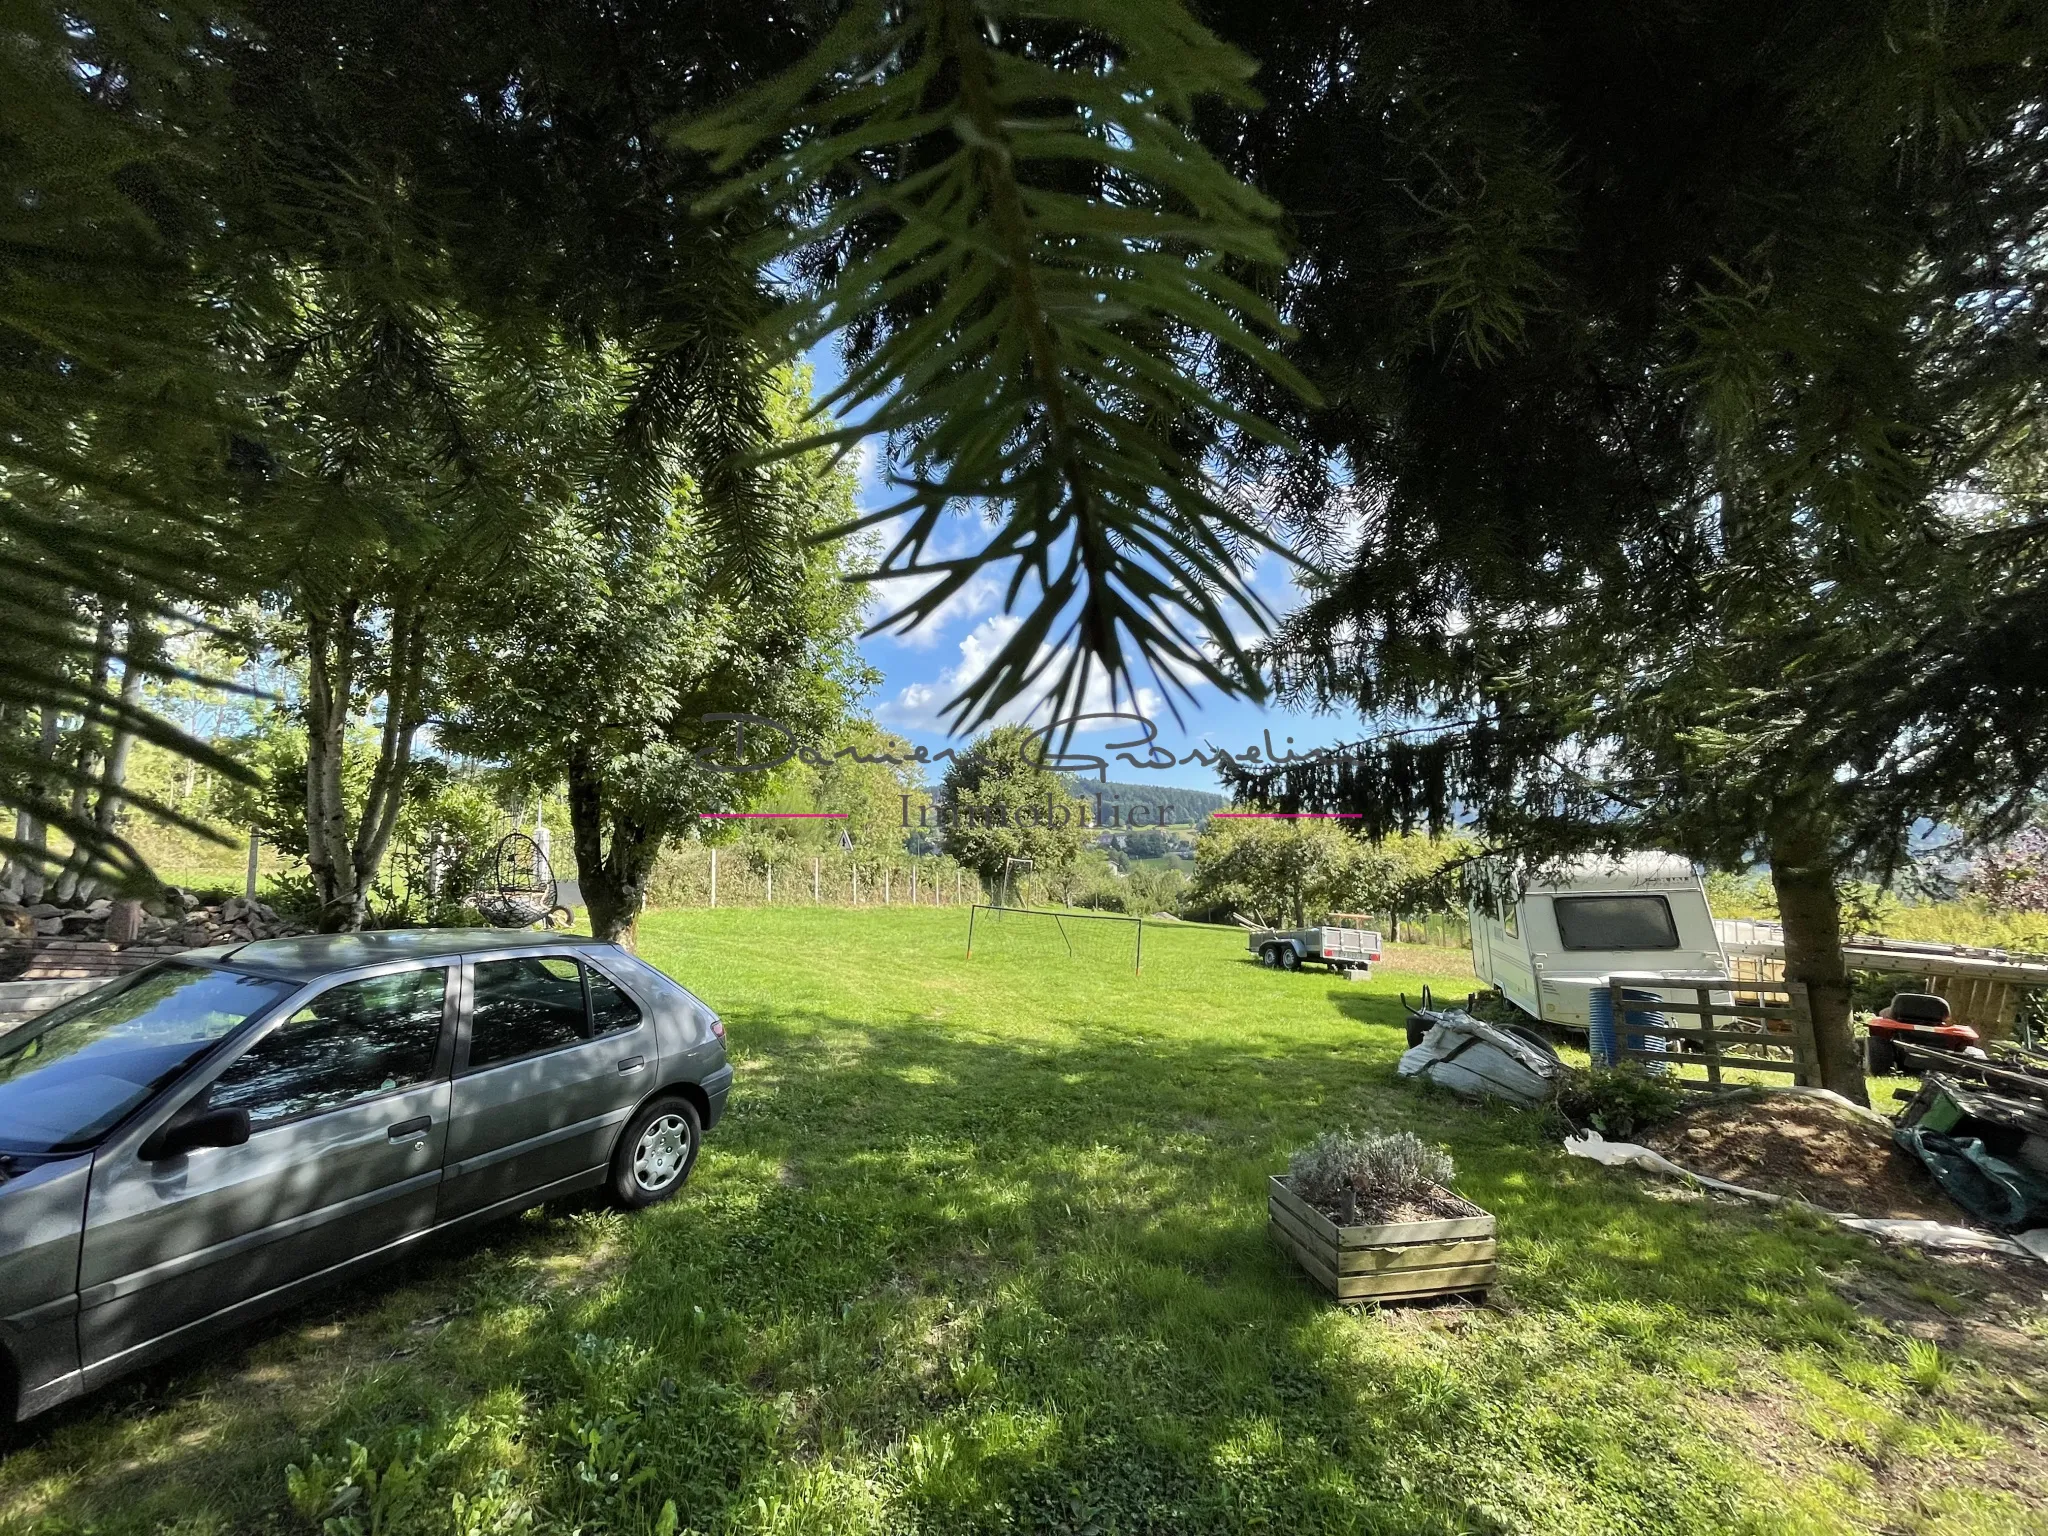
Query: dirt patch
(1807, 1150)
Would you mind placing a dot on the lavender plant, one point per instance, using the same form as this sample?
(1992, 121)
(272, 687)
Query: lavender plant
(1344, 1169)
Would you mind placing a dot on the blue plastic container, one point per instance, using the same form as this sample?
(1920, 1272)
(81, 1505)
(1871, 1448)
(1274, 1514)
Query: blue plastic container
(1641, 1028)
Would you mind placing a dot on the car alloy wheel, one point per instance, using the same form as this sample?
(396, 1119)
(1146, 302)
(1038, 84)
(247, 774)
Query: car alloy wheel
(662, 1153)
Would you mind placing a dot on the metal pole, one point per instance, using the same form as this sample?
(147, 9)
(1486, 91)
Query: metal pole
(815, 899)
(970, 930)
(714, 877)
(249, 882)
(1138, 965)
(770, 900)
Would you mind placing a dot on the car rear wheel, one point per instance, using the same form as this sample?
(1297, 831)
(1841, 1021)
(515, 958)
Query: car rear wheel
(656, 1153)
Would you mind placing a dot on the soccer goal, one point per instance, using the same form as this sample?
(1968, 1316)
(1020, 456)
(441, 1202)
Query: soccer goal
(1055, 933)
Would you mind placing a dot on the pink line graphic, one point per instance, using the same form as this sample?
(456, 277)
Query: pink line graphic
(1289, 815)
(766, 815)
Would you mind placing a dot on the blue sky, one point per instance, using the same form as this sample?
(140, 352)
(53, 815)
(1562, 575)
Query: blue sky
(922, 671)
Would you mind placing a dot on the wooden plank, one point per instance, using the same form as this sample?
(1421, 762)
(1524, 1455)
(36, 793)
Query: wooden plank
(1325, 1250)
(1713, 1037)
(1804, 1052)
(1317, 1270)
(1746, 1063)
(1374, 1260)
(1401, 1285)
(1963, 1066)
(1408, 1257)
(1718, 1010)
(1478, 1224)
(1415, 1282)
(1278, 1193)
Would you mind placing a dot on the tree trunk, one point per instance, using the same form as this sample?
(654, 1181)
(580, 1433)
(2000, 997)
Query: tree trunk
(404, 689)
(114, 775)
(86, 754)
(30, 828)
(330, 686)
(1803, 874)
(611, 871)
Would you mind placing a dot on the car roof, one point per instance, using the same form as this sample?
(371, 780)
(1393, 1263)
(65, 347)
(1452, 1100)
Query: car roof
(313, 955)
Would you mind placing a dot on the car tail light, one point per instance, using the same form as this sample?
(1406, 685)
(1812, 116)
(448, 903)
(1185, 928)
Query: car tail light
(718, 1026)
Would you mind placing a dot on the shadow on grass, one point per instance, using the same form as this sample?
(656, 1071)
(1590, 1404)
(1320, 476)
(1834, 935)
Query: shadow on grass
(1007, 1286)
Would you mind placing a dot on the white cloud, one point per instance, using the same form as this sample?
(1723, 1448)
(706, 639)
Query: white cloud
(917, 706)
(977, 596)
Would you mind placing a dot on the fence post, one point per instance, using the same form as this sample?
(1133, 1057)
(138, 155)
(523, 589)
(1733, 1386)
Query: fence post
(856, 885)
(714, 877)
(815, 899)
(956, 893)
(886, 873)
(1710, 1022)
(1804, 1055)
(769, 899)
(249, 881)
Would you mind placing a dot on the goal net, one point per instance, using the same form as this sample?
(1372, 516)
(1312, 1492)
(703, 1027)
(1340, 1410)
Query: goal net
(1056, 935)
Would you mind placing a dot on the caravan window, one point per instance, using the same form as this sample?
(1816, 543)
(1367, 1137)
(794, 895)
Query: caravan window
(1615, 922)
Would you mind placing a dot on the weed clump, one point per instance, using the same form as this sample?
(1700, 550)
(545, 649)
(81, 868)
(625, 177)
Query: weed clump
(1617, 1101)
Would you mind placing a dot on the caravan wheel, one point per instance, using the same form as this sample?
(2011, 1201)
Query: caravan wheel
(1289, 960)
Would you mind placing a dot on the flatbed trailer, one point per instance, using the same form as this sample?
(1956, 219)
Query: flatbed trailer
(1350, 950)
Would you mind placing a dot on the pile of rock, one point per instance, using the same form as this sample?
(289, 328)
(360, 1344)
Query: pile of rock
(178, 917)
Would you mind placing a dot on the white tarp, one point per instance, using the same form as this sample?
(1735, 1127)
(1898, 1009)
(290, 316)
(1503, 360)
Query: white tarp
(1471, 1057)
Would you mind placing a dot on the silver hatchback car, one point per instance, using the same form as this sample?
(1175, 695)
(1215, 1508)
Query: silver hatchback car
(208, 1139)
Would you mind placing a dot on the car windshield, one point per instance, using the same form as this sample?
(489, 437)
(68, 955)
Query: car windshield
(71, 1075)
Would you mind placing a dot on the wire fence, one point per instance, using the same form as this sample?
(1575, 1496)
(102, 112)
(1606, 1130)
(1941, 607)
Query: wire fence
(697, 876)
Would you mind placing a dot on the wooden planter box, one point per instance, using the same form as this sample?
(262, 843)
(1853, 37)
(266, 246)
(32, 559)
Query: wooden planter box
(1392, 1261)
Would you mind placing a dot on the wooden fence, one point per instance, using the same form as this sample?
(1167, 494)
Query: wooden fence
(731, 877)
(1767, 1036)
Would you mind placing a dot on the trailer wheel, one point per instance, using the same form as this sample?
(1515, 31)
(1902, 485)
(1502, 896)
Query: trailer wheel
(1880, 1057)
(1269, 955)
(1418, 1026)
(1289, 960)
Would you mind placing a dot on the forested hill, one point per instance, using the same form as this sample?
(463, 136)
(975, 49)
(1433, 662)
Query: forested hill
(1183, 805)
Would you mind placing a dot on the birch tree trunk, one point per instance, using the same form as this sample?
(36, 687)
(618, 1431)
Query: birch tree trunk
(140, 645)
(87, 753)
(330, 689)
(30, 829)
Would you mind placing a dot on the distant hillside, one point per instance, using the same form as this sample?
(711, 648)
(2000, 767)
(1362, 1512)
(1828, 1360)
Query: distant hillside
(1181, 805)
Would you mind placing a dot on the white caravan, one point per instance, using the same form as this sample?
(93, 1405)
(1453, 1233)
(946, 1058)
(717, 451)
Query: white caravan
(1593, 919)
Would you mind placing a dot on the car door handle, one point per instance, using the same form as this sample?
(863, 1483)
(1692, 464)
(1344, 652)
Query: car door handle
(631, 1063)
(407, 1129)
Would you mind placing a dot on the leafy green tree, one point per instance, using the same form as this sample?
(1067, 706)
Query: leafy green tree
(999, 802)
(620, 641)
(1279, 873)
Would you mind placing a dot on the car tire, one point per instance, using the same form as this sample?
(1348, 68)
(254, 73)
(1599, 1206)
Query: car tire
(656, 1152)
(1879, 1057)
(1417, 1028)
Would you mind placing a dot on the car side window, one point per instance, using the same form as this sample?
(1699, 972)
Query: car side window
(610, 1009)
(533, 1003)
(351, 1042)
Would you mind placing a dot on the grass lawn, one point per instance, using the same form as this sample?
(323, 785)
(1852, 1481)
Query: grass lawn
(980, 1247)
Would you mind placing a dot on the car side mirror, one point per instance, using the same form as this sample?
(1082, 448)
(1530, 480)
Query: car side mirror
(195, 1126)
